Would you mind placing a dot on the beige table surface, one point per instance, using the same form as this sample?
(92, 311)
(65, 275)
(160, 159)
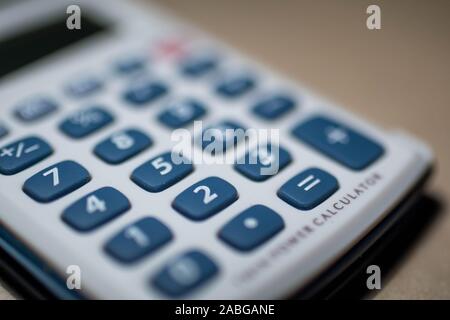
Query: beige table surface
(398, 76)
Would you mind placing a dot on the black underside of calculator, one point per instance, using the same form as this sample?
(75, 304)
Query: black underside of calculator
(28, 278)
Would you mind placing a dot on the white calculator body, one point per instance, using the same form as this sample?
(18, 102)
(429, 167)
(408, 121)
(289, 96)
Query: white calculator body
(87, 187)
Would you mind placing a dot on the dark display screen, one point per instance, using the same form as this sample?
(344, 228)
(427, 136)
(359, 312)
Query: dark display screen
(26, 47)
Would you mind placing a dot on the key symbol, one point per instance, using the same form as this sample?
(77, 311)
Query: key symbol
(185, 271)
(122, 141)
(336, 135)
(7, 152)
(32, 148)
(251, 223)
(305, 182)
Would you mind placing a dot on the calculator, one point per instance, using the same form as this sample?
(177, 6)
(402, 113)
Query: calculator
(94, 204)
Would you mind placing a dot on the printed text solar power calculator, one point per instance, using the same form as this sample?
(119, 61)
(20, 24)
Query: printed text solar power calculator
(90, 121)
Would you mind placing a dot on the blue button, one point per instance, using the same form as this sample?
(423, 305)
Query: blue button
(129, 64)
(185, 273)
(35, 108)
(161, 172)
(84, 86)
(221, 137)
(339, 142)
(22, 154)
(235, 86)
(205, 198)
(263, 162)
(308, 189)
(56, 181)
(122, 145)
(85, 122)
(182, 113)
(138, 240)
(274, 107)
(251, 228)
(198, 66)
(96, 209)
(3, 130)
(144, 91)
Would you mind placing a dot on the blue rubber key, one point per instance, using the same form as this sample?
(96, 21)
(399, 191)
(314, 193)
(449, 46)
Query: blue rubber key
(198, 66)
(161, 172)
(181, 113)
(122, 145)
(96, 209)
(138, 240)
(130, 64)
(222, 136)
(235, 87)
(22, 154)
(308, 189)
(205, 198)
(263, 162)
(84, 86)
(56, 181)
(339, 142)
(185, 273)
(35, 108)
(86, 122)
(142, 92)
(251, 228)
(274, 107)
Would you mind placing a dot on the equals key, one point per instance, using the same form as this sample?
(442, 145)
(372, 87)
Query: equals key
(308, 189)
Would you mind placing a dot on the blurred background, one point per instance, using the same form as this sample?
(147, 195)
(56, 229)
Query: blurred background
(398, 76)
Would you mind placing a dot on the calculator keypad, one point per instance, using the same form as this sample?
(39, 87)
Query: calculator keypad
(56, 181)
(161, 172)
(185, 273)
(96, 209)
(86, 122)
(138, 240)
(122, 146)
(205, 198)
(339, 142)
(22, 154)
(251, 228)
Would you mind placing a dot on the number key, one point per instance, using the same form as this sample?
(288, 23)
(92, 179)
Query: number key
(138, 240)
(161, 172)
(22, 154)
(56, 181)
(96, 209)
(122, 145)
(85, 122)
(205, 198)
